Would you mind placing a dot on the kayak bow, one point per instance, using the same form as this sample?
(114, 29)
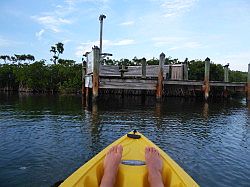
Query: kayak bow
(132, 170)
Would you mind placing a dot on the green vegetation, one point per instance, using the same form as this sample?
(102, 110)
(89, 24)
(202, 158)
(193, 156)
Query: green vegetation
(39, 77)
(18, 73)
(62, 76)
(17, 58)
(197, 68)
(56, 50)
(237, 76)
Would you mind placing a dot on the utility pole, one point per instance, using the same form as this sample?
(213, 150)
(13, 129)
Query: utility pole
(101, 18)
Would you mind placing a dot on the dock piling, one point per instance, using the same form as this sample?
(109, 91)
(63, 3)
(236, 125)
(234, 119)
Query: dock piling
(185, 70)
(226, 69)
(226, 79)
(159, 87)
(123, 70)
(144, 64)
(83, 76)
(248, 83)
(96, 63)
(206, 86)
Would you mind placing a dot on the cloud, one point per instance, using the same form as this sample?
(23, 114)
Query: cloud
(8, 43)
(127, 23)
(162, 41)
(124, 42)
(99, 4)
(175, 8)
(187, 45)
(3, 42)
(87, 46)
(67, 12)
(39, 34)
(176, 43)
(55, 19)
(238, 61)
(51, 22)
(66, 41)
(79, 1)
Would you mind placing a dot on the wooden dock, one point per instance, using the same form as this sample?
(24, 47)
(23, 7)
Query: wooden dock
(160, 80)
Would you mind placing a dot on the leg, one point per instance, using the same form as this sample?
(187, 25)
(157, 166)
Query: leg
(154, 165)
(110, 165)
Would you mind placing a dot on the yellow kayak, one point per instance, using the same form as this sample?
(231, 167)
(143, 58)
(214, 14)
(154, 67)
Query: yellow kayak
(132, 170)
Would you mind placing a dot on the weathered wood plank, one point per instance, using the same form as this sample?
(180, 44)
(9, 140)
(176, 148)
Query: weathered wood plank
(133, 71)
(179, 82)
(109, 70)
(128, 84)
(232, 84)
(200, 83)
(177, 72)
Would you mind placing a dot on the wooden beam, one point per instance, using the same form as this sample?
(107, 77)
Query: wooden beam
(159, 87)
(201, 83)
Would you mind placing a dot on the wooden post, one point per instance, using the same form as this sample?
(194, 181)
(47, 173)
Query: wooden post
(206, 86)
(226, 79)
(144, 64)
(95, 83)
(248, 83)
(226, 69)
(123, 70)
(87, 96)
(185, 71)
(83, 76)
(159, 87)
(205, 110)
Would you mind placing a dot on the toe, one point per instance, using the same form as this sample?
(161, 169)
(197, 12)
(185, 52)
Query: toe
(119, 149)
(151, 150)
(112, 149)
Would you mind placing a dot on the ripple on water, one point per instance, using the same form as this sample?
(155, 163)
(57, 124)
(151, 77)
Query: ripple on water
(39, 147)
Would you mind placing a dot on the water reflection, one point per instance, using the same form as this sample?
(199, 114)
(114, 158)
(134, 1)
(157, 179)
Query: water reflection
(51, 136)
(205, 110)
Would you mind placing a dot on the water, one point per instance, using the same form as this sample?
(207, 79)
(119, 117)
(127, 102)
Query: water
(43, 139)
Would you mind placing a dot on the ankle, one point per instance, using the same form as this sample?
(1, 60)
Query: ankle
(155, 179)
(108, 180)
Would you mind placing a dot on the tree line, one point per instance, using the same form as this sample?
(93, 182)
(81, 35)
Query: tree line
(41, 77)
(23, 73)
(17, 58)
(62, 76)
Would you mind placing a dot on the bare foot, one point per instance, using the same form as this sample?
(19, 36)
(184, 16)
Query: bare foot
(111, 165)
(154, 165)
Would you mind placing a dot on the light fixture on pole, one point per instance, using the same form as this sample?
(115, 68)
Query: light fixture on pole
(101, 18)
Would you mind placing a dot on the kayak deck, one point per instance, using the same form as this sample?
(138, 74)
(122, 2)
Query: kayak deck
(90, 174)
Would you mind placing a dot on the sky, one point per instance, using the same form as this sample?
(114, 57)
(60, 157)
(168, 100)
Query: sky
(193, 29)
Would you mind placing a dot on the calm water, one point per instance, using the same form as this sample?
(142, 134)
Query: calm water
(45, 138)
